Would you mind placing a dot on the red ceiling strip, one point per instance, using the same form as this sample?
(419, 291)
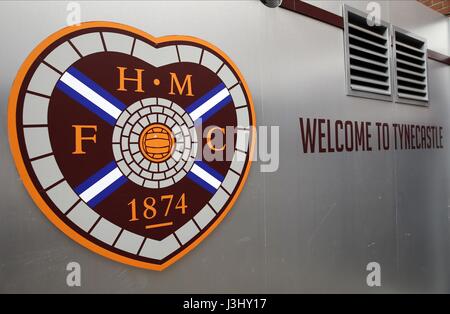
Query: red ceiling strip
(313, 12)
(439, 57)
(337, 21)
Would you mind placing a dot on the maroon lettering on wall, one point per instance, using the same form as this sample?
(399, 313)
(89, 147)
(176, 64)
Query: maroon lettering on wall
(330, 136)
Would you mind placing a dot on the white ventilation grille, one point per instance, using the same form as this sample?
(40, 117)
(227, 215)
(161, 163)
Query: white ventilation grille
(367, 56)
(410, 61)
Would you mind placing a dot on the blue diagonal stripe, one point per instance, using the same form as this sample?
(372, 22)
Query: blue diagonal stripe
(205, 98)
(86, 102)
(97, 88)
(94, 178)
(210, 170)
(108, 191)
(201, 182)
(216, 108)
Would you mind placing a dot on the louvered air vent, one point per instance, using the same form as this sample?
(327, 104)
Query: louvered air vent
(367, 56)
(410, 61)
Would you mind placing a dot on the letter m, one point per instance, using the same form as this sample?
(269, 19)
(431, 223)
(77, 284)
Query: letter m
(175, 82)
